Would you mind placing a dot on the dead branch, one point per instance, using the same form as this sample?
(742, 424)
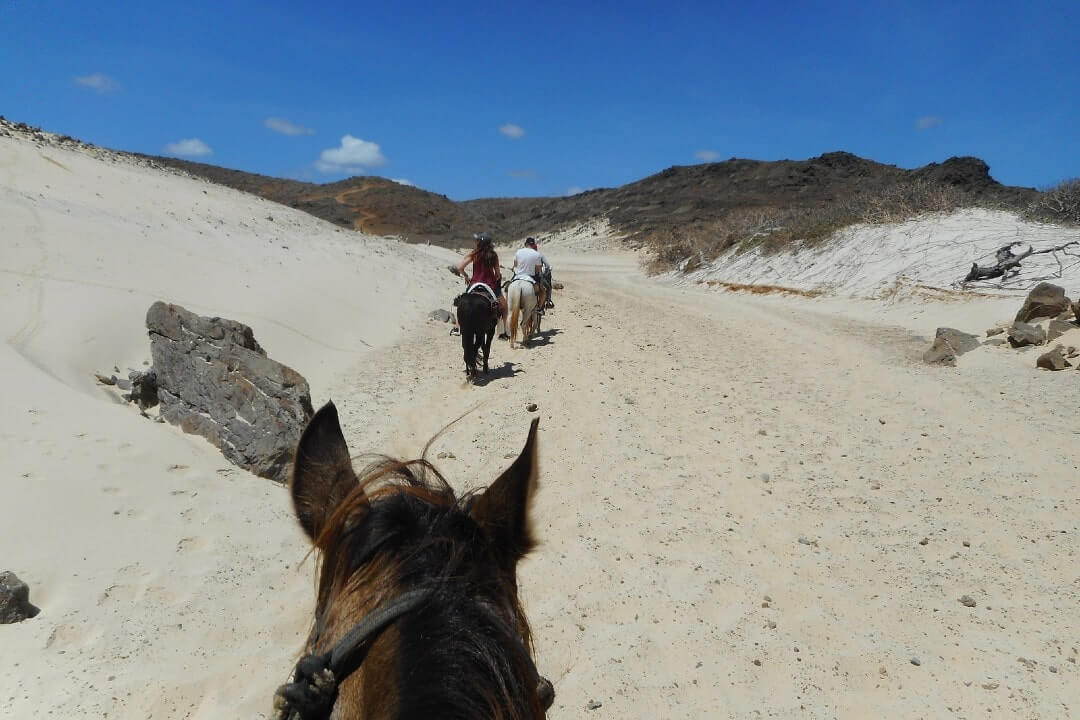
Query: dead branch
(1008, 262)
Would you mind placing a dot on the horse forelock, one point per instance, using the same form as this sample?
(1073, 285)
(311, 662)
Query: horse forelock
(404, 527)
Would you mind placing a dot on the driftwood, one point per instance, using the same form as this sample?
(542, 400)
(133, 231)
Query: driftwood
(1008, 262)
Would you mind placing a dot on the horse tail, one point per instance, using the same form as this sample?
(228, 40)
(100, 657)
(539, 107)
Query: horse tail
(513, 296)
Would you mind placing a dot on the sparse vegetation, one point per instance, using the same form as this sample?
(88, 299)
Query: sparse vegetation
(773, 228)
(1059, 204)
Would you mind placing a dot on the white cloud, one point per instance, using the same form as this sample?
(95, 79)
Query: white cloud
(98, 82)
(189, 147)
(511, 130)
(403, 181)
(524, 173)
(286, 127)
(707, 155)
(352, 156)
(928, 121)
(574, 190)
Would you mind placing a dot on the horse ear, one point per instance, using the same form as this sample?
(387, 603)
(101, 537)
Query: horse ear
(322, 472)
(503, 509)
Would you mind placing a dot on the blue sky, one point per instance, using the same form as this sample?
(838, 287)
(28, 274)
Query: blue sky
(541, 98)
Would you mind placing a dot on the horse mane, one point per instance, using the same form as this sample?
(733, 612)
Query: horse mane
(468, 651)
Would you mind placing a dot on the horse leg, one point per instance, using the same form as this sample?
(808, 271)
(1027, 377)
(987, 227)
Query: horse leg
(515, 302)
(470, 357)
(488, 337)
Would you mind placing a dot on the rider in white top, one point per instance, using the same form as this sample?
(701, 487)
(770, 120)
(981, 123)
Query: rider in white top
(528, 263)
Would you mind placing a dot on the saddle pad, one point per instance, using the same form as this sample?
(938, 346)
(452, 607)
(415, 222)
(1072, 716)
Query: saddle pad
(482, 286)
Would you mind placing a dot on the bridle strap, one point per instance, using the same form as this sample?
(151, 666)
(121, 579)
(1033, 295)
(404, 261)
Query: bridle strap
(356, 641)
(313, 690)
(315, 681)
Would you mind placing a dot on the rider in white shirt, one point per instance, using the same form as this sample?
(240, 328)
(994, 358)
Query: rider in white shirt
(530, 263)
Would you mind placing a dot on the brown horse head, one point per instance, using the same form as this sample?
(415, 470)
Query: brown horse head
(417, 612)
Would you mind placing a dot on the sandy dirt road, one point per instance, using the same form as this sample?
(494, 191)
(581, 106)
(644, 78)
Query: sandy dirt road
(760, 507)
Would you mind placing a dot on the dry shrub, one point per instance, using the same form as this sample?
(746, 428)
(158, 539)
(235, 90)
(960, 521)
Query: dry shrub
(774, 229)
(1059, 204)
(905, 200)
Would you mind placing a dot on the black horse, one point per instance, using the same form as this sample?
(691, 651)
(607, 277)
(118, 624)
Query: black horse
(477, 318)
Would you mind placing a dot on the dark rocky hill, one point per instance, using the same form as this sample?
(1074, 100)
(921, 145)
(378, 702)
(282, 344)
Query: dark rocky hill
(698, 195)
(679, 198)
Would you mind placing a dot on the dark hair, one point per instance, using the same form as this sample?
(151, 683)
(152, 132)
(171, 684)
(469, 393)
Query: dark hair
(484, 254)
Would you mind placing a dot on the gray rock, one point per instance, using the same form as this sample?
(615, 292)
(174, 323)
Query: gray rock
(994, 331)
(1057, 328)
(440, 315)
(967, 601)
(1022, 334)
(14, 599)
(1044, 300)
(214, 380)
(948, 345)
(1053, 360)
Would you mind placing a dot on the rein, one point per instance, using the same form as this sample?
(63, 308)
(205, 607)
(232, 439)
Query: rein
(315, 681)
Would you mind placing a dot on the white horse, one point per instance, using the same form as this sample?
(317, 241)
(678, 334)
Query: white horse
(521, 296)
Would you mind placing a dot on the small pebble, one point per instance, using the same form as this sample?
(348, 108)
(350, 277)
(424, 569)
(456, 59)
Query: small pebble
(966, 544)
(758, 663)
(916, 661)
(967, 601)
(924, 541)
(531, 407)
(593, 705)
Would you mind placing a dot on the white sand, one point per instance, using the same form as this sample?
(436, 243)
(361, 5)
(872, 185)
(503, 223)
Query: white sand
(168, 580)
(934, 250)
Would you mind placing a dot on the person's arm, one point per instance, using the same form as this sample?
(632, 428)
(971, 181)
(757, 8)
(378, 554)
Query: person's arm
(461, 266)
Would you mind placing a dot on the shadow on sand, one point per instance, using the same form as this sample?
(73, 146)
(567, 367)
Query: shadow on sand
(543, 337)
(507, 370)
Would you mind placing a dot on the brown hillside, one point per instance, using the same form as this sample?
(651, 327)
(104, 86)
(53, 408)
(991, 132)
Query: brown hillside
(680, 199)
(698, 195)
(371, 204)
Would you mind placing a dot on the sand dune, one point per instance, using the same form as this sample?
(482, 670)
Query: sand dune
(934, 250)
(734, 498)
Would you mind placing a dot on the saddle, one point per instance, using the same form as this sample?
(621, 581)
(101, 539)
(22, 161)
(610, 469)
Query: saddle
(481, 289)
